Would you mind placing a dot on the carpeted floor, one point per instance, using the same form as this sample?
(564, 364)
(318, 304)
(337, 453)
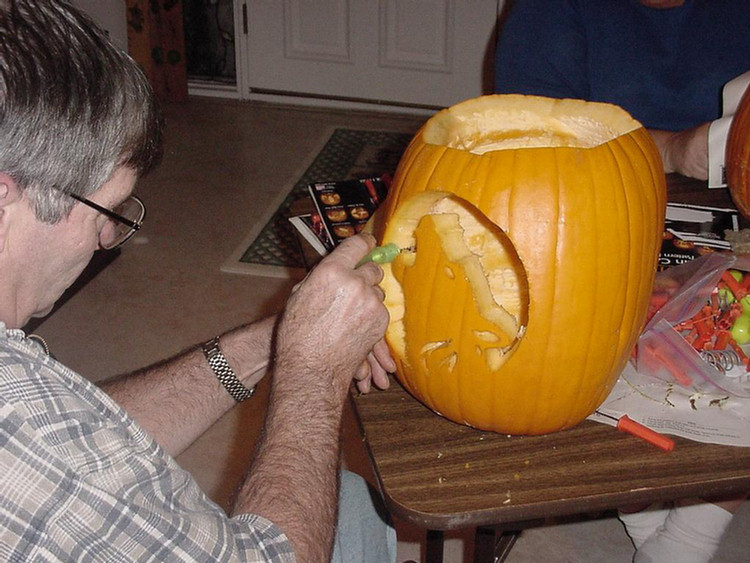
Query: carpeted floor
(224, 165)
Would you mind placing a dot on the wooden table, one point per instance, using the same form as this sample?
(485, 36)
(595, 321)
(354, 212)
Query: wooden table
(442, 476)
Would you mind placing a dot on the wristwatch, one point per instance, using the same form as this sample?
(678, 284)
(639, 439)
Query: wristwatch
(224, 372)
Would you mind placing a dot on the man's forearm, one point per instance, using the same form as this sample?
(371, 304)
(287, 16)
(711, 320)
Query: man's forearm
(294, 477)
(179, 399)
(330, 323)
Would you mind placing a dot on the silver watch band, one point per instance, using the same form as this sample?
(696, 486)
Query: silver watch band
(224, 371)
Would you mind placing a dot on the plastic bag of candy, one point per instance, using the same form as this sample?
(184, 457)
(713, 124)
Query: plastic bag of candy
(699, 326)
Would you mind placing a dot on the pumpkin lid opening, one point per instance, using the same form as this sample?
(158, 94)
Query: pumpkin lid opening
(501, 122)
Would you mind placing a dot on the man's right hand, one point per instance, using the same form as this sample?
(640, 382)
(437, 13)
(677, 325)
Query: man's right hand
(336, 316)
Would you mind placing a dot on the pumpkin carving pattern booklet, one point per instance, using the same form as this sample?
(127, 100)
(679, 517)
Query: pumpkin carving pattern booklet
(347, 205)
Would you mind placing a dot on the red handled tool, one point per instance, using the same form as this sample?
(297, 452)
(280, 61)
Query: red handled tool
(630, 426)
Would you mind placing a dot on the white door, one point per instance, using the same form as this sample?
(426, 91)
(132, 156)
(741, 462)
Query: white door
(416, 53)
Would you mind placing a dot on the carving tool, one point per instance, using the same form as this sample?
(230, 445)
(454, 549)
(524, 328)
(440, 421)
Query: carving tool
(630, 426)
(384, 254)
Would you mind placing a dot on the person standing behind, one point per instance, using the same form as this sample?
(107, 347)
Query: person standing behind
(664, 61)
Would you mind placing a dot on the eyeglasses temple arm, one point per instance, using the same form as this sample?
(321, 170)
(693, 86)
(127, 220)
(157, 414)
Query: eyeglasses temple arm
(111, 214)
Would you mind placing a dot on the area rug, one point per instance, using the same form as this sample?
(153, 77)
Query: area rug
(272, 248)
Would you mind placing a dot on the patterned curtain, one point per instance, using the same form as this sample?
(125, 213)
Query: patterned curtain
(156, 40)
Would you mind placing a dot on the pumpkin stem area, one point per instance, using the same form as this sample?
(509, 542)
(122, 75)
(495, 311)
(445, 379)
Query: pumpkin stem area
(492, 123)
(463, 265)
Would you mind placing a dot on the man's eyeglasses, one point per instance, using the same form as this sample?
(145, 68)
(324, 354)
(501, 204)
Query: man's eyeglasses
(124, 220)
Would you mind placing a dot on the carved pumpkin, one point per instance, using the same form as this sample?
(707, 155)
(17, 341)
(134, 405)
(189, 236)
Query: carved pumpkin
(532, 228)
(737, 156)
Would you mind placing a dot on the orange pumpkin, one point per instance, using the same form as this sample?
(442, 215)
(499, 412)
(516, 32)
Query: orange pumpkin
(532, 228)
(737, 156)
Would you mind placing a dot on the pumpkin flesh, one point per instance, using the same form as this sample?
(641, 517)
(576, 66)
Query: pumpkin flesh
(552, 208)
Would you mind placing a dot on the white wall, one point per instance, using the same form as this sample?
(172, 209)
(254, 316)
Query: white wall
(110, 15)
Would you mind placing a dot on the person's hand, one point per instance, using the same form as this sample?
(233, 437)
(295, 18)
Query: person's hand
(684, 152)
(374, 371)
(377, 366)
(335, 318)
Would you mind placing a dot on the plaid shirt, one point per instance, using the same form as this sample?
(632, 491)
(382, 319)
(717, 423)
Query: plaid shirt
(81, 481)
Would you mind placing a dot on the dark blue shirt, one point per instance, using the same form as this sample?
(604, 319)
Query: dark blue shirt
(666, 67)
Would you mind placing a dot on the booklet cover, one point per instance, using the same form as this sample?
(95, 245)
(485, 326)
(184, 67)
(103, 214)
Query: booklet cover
(345, 206)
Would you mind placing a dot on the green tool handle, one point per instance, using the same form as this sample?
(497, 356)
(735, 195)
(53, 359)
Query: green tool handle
(381, 254)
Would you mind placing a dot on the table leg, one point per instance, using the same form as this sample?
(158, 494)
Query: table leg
(434, 547)
(504, 544)
(484, 545)
(488, 547)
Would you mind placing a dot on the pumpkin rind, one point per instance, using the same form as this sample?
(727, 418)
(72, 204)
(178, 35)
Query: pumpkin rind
(586, 224)
(737, 158)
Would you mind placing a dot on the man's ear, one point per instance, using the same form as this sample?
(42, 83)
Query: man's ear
(9, 194)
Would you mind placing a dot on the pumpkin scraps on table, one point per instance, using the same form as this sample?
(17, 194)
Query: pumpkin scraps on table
(537, 224)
